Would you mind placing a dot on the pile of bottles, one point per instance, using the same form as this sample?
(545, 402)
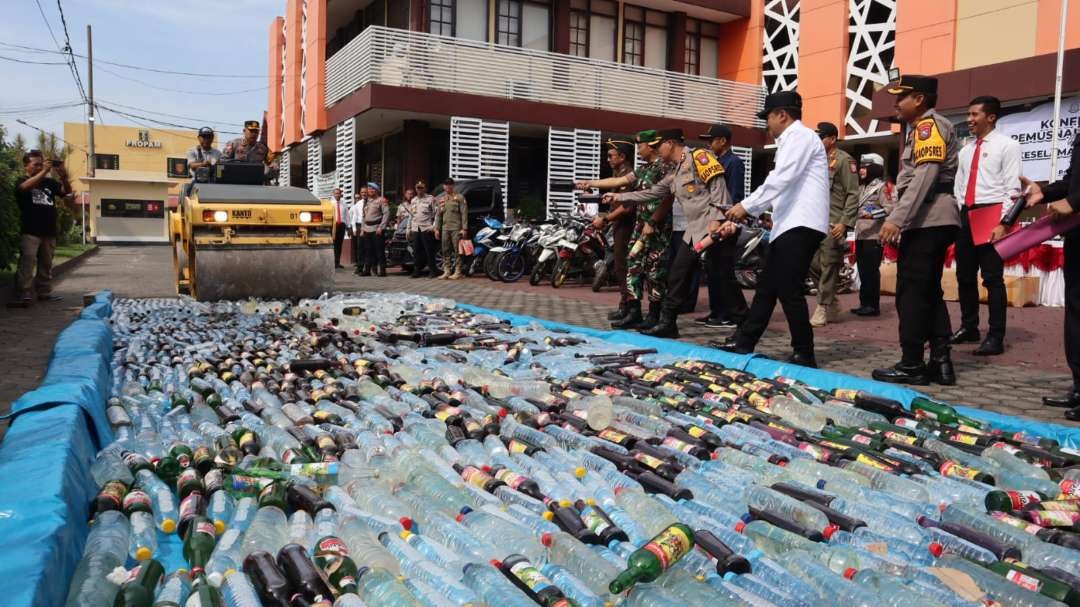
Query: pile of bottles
(395, 450)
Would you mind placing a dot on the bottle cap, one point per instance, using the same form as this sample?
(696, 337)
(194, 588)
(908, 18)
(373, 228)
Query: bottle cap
(548, 515)
(590, 501)
(739, 526)
(619, 489)
(219, 526)
(406, 522)
(850, 572)
(547, 539)
(496, 563)
(486, 468)
(579, 472)
(405, 534)
(936, 549)
(460, 516)
(143, 554)
(830, 530)
(565, 503)
(820, 484)
(746, 518)
(168, 525)
(502, 412)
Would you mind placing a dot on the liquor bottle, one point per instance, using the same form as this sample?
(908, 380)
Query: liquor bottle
(332, 558)
(140, 586)
(111, 497)
(526, 576)
(650, 561)
(269, 580)
(1026, 577)
(598, 521)
(273, 494)
(199, 541)
(303, 577)
(727, 561)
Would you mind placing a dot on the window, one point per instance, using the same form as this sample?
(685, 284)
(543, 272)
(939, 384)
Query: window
(441, 17)
(579, 33)
(107, 162)
(471, 21)
(633, 35)
(176, 167)
(129, 209)
(536, 26)
(508, 28)
(701, 48)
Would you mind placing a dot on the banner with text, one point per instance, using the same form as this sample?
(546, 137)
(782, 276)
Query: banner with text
(1034, 129)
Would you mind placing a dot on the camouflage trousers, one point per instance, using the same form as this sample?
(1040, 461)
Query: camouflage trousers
(648, 266)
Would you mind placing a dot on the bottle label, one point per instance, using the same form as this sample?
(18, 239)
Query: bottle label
(268, 489)
(1016, 522)
(951, 468)
(531, 576)
(613, 435)
(1006, 447)
(114, 491)
(134, 573)
(818, 452)
(188, 477)
(669, 546)
(648, 460)
(137, 500)
(594, 521)
(475, 476)
(1053, 518)
(1019, 499)
(1061, 505)
(905, 422)
(874, 462)
(844, 394)
(331, 545)
(246, 438)
(862, 439)
(1024, 581)
(511, 478)
(696, 432)
(901, 438)
(204, 527)
(1069, 487)
(190, 506)
(962, 437)
(516, 446)
(676, 444)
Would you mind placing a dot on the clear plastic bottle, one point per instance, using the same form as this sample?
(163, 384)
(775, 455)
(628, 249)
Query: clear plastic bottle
(226, 556)
(774, 502)
(997, 586)
(498, 531)
(650, 595)
(650, 513)
(884, 481)
(414, 565)
(427, 595)
(238, 591)
(364, 548)
(143, 543)
(493, 587)
(243, 513)
(219, 510)
(175, 589)
(106, 549)
(761, 588)
(891, 592)
(572, 587)
(268, 531)
(301, 528)
(836, 588)
(565, 550)
(434, 551)
(381, 587)
(162, 500)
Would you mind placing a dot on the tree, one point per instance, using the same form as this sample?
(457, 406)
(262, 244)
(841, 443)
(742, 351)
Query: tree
(10, 170)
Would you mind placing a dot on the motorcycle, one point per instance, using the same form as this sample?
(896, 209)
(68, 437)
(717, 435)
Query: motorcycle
(754, 246)
(548, 242)
(604, 272)
(581, 253)
(510, 259)
(483, 240)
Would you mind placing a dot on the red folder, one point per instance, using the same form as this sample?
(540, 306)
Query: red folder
(983, 220)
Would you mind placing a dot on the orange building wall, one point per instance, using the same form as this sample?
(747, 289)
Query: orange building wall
(740, 47)
(1046, 35)
(315, 113)
(293, 18)
(273, 102)
(823, 59)
(925, 36)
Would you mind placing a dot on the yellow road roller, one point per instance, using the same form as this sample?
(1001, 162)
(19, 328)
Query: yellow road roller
(239, 240)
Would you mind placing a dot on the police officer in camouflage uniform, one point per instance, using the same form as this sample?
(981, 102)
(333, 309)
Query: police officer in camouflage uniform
(451, 225)
(927, 215)
(247, 148)
(843, 211)
(697, 183)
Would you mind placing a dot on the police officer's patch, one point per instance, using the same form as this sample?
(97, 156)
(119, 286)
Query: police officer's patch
(707, 165)
(925, 129)
(929, 144)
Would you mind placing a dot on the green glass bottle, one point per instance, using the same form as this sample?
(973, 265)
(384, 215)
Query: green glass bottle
(177, 399)
(199, 542)
(273, 494)
(203, 594)
(141, 585)
(188, 482)
(1008, 501)
(1020, 574)
(939, 412)
(182, 454)
(852, 437)
(654, 558)
(332, 558)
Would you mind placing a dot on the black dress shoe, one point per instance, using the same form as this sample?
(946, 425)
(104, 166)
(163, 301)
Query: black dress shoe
(720, 323)
(805, 359)
(617, 313)
(966, 336)
(417, 275)
(991, 346)
(731, 344)
(1070, 400)
(1073, 414)
(703, 319)
(866, 311)
(941, 371)
(903, 373)
(339, 267)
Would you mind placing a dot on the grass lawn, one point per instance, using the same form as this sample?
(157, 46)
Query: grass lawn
(63, 253)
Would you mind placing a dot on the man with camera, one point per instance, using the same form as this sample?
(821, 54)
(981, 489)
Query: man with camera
(35, 194)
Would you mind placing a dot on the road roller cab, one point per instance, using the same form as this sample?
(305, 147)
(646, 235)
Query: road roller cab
(232, 239)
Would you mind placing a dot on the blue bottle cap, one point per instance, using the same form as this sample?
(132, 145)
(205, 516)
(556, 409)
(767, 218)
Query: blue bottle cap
(820, 484)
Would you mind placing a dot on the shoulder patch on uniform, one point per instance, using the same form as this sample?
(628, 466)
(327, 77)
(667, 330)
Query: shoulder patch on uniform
(707, 165)
(929, 144)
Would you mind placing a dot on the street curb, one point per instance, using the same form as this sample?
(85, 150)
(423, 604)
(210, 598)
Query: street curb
(72, 263)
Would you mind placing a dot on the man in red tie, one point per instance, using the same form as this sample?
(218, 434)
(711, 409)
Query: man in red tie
(987, 180)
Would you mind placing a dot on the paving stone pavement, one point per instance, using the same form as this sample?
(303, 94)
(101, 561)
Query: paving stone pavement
(1011, 384)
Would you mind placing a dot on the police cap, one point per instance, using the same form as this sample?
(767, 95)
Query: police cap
(252, 125)
(780, 100)
(913, 83)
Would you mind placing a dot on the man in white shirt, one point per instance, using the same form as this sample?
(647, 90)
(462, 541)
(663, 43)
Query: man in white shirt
(988, 175)
(797, 191)
(341, 218)
(356, 224)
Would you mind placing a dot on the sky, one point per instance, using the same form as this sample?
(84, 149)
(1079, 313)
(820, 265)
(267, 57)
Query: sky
(220, 37)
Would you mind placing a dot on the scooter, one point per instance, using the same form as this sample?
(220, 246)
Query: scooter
(483, 240)
(548, 240)
(579, 257)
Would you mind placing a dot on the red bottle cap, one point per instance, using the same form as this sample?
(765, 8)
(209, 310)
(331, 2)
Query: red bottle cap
(619, 490)
(459, 517)
(850, 572)
(936, 549)
(486, 468)
(830, 530)
(782, 463)
(502, 412)
(739, 526)
(546, 540)
(496, 563)
(406, 522)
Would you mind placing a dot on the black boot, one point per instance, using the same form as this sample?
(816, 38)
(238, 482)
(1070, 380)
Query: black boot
(617, 313)
(804, 358)
(653, 317)
(939, 369)
(382, 270)
(665, 327)
(632, 317)
(903, 373)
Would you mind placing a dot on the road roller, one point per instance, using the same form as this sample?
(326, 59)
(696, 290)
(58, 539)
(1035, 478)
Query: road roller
(234, 239)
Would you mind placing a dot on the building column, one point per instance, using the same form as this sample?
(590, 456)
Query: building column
(418, 15)
(677, 42)
(417, 139)
(561, 12)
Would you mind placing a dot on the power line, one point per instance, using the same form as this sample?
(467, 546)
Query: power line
(47, 24)
(138, 109)
(156, 121)
(137, 67)
(68, 50)
(27, 61)
(181, 91)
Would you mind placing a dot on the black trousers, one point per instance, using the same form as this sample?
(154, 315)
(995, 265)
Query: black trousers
(424, 248)
(690, 301)
(783, 279)
(868, 254)
(1072, 304)
(920, 302)
(339, 242)
(725, 295)
(374, 247)
(621, 232)
(970, 260)
(358, 249)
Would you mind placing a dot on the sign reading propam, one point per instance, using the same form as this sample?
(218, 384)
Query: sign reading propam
(1034, 130)
(143, 141)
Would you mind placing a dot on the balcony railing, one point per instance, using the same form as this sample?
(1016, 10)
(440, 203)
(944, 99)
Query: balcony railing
(403, 58)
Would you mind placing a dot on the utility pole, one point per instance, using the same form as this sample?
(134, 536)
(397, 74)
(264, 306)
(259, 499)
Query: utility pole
(91, 161)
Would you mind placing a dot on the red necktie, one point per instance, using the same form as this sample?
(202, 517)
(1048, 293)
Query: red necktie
(973, 177)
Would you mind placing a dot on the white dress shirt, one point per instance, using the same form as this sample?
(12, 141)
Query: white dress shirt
(342, 210)
(998, 179)
(797, 190)
(356, 214)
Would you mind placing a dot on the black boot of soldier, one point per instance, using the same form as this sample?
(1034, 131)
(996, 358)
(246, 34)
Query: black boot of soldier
(631, 319)
(939, 369)
(652, 318)
(617, 313)
(665, 327)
